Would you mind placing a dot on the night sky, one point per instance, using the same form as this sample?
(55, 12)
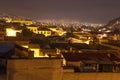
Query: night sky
(98, 11)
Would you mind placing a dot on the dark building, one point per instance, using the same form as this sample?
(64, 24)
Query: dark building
(92, 62)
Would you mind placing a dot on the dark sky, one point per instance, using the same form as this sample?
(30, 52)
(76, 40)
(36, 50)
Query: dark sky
(98, 11)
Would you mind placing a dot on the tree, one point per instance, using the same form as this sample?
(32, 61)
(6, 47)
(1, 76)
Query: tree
(27, 33)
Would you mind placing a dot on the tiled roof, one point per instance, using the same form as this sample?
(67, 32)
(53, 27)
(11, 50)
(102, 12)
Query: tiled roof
(91, 57)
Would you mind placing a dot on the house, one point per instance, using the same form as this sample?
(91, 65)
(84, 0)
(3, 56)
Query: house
(12, 32)
(33, 28)
(45, 31)
(116, 37)
(25, 48)
(36, 30)
(92, 62)
(58, 31)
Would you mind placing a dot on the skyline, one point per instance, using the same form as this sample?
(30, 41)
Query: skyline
(94, 11)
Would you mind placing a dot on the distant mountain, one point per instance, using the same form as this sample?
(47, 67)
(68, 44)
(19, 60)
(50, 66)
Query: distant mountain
(112, 27)
(13, 16)
(114, 24)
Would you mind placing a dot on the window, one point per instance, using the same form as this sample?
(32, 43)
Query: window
(48, 32)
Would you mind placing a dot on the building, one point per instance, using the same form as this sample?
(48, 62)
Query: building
(116, 37)
(45, 31)
(11, 32)
(34, 69)
(87, 65)
(92, 62)
(51, 68)
(25, 49)
(36, 30)
(81, 38)
(23, 22)
(58, 31)
(33, 28)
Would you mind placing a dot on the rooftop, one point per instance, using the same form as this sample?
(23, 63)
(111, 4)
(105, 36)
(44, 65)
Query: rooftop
(92, 57)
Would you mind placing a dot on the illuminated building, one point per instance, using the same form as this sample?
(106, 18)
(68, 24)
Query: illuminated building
(26, 22)
(116, 37)
(33, 28)
(81, 38)
(36, 30)
(101, 36)
(58, 31)
(35, 48)
(12, 32)
(8, 20)
(32, 47)
(45, 32)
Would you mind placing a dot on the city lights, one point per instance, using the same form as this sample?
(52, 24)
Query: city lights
(59, 40)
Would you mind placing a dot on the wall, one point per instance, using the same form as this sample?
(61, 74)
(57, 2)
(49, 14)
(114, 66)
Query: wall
(90, 76)
(34, 69)
(76, 64)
